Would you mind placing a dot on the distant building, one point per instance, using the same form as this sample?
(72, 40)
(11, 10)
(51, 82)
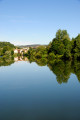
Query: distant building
(15, 51)
(21, 51)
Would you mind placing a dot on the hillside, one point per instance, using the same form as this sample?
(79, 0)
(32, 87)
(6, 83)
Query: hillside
(33, 45)
(2, 44)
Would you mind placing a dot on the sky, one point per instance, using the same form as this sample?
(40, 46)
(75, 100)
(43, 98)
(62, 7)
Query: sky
(24, 22)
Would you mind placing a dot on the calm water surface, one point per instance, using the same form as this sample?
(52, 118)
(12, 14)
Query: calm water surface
(33, 92)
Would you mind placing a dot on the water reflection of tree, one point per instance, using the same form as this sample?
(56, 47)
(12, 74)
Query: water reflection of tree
(40, 62)
(6, 61)
(76, 68)
(62, 70)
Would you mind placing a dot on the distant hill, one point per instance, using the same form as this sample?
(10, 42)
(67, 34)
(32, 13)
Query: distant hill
(34, 45)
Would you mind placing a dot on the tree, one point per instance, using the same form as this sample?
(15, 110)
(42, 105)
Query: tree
(57, 47)
(76, 47)
(2, 44)
(6, 48)
(62, 34)
(61, 44)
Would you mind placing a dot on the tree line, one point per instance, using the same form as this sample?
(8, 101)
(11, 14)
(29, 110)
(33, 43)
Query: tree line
(61, 47)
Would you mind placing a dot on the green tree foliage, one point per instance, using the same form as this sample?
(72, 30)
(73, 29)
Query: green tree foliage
(61, 47)
(2, 44)
(6, 48)
(39, 52)
(57, 47)
(62, 34)
(12, 52)
(76, 47)
(1, 51)
(51, 56)
(61, 44)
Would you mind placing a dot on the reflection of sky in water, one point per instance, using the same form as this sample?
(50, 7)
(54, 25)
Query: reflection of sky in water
(31, 92)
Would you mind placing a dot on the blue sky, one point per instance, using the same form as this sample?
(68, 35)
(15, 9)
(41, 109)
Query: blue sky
(36, 21)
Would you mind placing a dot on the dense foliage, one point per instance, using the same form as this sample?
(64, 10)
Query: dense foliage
(61, 44)
(2, 44)
(6, 49)
(60, 47)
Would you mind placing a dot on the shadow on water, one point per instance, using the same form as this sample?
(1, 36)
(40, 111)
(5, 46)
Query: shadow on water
(62, 69)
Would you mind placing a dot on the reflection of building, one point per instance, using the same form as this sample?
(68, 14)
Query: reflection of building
(16, 59)
(21, 51)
